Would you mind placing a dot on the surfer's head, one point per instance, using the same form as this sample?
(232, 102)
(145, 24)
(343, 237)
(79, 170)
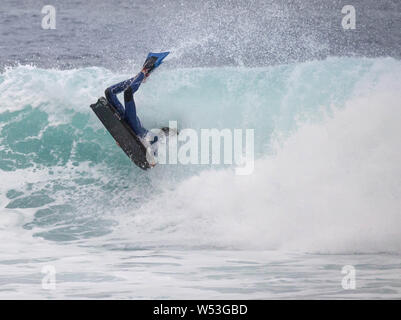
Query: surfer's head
(169, 132)
(166, 130)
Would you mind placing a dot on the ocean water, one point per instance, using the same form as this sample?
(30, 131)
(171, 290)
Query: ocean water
(325, 106)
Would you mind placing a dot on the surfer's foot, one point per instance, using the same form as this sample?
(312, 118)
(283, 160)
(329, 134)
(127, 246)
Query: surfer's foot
(118, 144)
(146, 73)
(149, 65)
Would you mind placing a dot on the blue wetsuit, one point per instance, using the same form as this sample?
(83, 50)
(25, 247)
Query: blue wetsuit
(129, 87)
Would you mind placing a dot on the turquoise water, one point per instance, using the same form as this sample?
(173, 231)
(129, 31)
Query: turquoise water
(325, 191)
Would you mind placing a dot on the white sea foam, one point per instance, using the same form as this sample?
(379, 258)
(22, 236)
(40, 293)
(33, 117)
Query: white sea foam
(331, 186)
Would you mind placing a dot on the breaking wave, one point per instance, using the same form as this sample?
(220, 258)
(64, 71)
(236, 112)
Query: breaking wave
(327, 145)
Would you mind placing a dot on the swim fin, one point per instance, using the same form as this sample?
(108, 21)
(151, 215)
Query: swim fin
(153, 60)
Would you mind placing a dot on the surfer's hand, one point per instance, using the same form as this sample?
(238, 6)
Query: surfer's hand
(118, 144)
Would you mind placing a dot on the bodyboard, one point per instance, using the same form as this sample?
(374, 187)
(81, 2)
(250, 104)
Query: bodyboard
(121, 132)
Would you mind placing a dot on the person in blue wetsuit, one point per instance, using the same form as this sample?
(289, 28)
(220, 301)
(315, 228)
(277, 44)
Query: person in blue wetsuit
(129, 113)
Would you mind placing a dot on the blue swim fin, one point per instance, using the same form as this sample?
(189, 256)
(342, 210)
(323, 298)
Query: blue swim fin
(153, 60)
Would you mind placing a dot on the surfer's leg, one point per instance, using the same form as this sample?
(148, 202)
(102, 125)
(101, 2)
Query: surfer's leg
(112, 99)
(134, 82)
(112, 92)
(130, 113)
(137, 82)
(111, 96)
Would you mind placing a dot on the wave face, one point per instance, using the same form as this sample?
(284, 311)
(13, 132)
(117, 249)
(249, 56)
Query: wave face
(327, 174)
